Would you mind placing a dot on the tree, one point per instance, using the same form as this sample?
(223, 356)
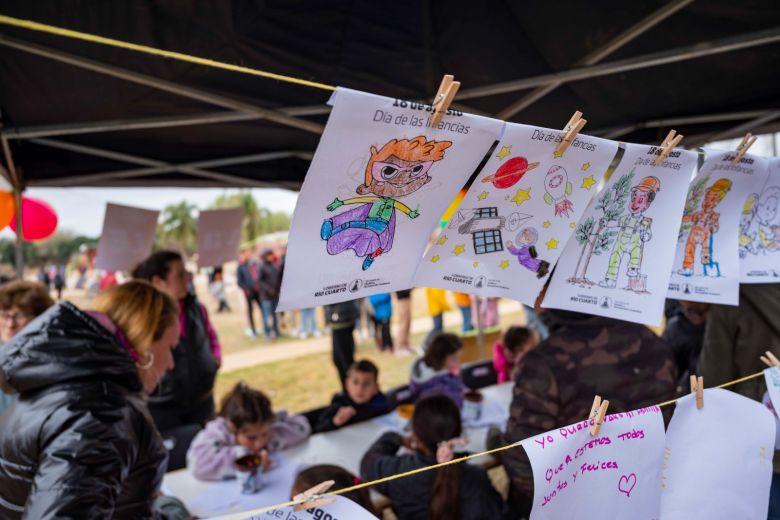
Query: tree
(178, 228)
(692, 202)
(611, 203)
(258, 221)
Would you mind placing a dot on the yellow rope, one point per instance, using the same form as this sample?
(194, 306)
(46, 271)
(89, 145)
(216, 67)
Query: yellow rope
(93, 38)
(363, 485)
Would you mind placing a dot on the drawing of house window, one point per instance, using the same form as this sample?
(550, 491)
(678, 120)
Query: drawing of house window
(484, 225)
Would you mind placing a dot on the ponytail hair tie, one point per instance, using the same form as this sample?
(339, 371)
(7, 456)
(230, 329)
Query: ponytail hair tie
(356, 480)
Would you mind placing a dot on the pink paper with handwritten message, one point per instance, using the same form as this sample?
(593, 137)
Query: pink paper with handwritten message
(718, 460)
(613, 475)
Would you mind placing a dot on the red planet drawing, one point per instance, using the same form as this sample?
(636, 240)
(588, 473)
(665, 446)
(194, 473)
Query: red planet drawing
(510, 172)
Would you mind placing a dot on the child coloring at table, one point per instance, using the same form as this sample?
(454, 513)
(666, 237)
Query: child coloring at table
(508, 352)
(342, 478)
(246, 422)
(455, 492)
(438, 371)
(361, 399)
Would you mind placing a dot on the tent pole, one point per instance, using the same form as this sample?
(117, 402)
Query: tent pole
(689, 52)
(598, 54)
(18, 188)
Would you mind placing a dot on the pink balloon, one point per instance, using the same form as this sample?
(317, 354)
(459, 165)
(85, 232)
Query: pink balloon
(39, 221)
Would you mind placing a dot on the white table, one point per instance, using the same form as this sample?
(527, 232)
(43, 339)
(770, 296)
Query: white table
(344, 447)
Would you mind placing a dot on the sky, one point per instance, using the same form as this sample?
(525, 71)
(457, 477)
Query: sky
(81, 210)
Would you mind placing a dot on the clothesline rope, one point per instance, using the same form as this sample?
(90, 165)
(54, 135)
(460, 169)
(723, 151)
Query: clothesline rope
(93, 38)
(465, 458)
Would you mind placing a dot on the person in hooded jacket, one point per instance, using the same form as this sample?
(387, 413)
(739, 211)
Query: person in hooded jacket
(79, 442)
(185, 395)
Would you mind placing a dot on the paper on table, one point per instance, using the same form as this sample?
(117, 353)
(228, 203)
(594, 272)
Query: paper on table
(219, 235)
(617, 263)
(493, 414)
(341, 509)
(718, 460)
(511, 227)
(611, 476)
(127, 237)
(706, 263)
(219, 498)
(376, 188)
(759, 230)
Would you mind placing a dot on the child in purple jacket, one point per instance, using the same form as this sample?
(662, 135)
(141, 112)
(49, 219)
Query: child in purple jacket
(438, 371)
(245, 423)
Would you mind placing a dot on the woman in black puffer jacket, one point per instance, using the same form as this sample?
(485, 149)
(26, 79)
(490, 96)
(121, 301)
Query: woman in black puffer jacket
(79, 442)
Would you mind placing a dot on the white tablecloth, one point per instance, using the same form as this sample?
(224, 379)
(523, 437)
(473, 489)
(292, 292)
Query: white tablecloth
(344, 447)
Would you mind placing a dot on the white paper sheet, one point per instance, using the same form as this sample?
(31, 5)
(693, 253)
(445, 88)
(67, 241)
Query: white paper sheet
(219, 236)
(759, 229)
(617, 263)
(219, 498)
(706, 263)
(718, 460)
(341, 509)
(772, 398)
(614, 475)
(514, 221)
(377, 186)
(127, 237)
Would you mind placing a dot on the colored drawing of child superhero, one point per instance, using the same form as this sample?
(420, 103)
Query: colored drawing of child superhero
(397, 169)
(525, 251)
(633, 231)
(704, 224)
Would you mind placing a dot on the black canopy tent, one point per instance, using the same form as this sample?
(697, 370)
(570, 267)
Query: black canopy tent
(76, 113)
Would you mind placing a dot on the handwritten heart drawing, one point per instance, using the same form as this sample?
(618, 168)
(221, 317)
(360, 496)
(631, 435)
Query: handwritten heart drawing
(626, 484)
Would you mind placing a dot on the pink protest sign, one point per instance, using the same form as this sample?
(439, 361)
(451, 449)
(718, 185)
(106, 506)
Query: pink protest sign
(127, 237)
(219, 236)
(612, 475)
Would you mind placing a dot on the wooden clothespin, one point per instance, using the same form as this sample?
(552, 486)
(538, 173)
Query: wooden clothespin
(697, 387)
(770, 359)
(671, 140)
(744, 146)
(570, 131)
(597, 413)
(313, 497)
(445, 95)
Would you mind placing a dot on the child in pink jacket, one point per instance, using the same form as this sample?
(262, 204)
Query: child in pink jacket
(246, 424)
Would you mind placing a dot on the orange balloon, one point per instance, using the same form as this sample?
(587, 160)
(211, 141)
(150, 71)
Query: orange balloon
(7, 208)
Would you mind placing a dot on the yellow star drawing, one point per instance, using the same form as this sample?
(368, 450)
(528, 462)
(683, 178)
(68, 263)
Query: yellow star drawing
(504, 264)
(504, 151)
(557, 154)
(585, 166)
(571, 225)
(458, 249)
(546, 224)
(442, 240)
(435, 258)
(521, 196)
(552, 244)
(482, 196)
(587, 182)
(475, 264)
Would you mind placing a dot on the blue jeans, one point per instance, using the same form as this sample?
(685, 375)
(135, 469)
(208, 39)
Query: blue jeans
(774, 498)
(374, 224)
(438, 326)
(535, 323)
(268, 307)
(308, 321)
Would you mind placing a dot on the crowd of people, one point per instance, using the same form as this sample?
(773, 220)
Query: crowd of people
(98, 403)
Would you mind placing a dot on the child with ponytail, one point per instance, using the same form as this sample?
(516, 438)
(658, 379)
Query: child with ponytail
(245, 423)
(454, 492)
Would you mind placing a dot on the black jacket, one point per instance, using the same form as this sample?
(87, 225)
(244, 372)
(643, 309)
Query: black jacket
(244, 278)
(79, 443)
(269, 279)
(411, 495)
(192, 379)
(378, 405)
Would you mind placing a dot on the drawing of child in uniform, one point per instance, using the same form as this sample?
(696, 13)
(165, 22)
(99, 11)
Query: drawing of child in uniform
(766, 213)
(704, 224)
(526, 251)
(397, 169)
(634, 230)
